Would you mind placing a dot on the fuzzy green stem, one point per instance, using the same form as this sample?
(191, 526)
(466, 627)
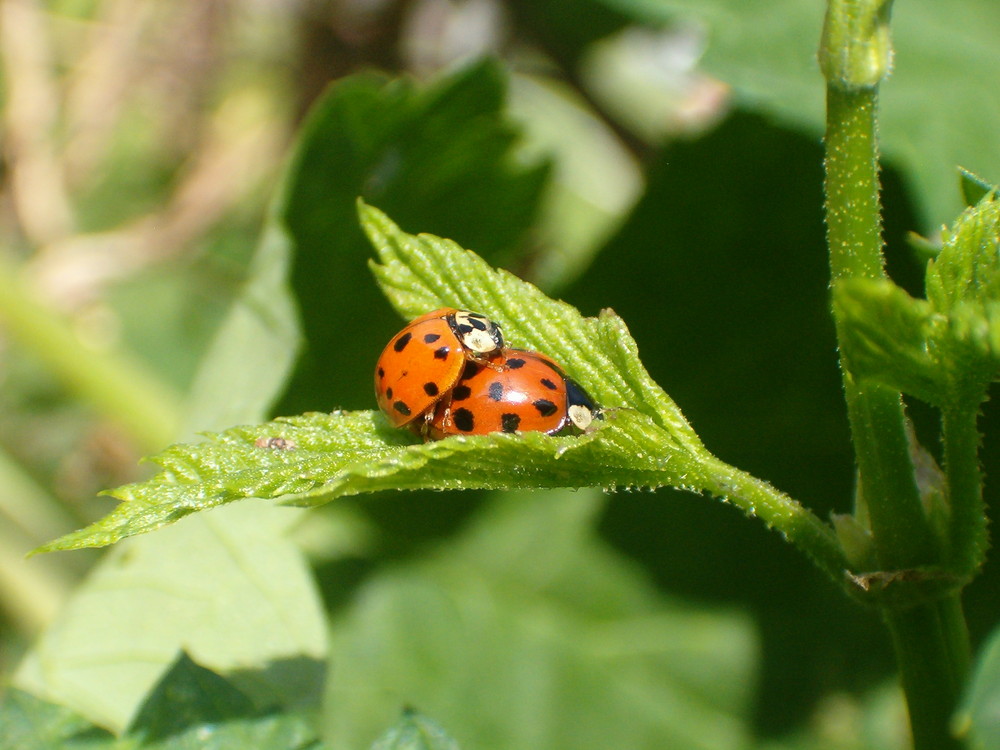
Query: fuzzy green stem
(113, 383)
(853, 209)
(932, 649)
(900, 529)
(929, 639)
(967, 534)
(800, 526)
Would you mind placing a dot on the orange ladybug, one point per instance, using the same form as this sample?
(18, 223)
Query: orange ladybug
(520, 391)
(425, 360)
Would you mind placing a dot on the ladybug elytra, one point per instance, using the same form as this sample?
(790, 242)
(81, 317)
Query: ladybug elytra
(521, 391)
(425, 360)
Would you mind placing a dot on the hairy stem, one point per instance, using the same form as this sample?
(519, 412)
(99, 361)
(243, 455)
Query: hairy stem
(878, 425)
(800, 526)
(929, 638)
(932, 649)
(967, 534)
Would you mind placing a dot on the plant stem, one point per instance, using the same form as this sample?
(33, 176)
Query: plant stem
(110, 381)
(800, 526)
(900, 529)
(853, 209)
(932, 649)
(967, 534)
(929, 639)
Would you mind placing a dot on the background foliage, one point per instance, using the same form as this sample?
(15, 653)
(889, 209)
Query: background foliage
(659, 158)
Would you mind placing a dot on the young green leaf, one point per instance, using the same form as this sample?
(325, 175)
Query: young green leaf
(940, 349)
(974, 187)
(886, 337)
(422, 272)
(193, 707)
(642, 440)
(315, 458)
(188, 695)
(414, 731)
(963, 283)
(968, 267)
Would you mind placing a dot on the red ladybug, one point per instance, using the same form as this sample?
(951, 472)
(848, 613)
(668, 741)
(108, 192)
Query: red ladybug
(520, 391)
(425, 360)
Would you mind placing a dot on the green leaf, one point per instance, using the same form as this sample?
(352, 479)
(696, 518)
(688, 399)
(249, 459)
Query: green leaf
(414, 731)
(963, 283)
(314, 458)
(967, 270)
(187, 696)
(935, 109)
(321, 457)
(218, 586)
(192, 708)
(441, 156)
(252, 353)
(29, 723)
(422, 272)
(642, 440)
(974, 187)
(528, 631)
(944, 348)
(978, 718)
(886, 336)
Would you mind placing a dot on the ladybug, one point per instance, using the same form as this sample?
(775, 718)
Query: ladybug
(520, 391)
(426, 359)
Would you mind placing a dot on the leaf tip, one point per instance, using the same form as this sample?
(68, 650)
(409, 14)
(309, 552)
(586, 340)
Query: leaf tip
(974, 187)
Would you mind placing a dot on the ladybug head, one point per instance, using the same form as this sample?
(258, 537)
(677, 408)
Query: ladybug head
(478, 334)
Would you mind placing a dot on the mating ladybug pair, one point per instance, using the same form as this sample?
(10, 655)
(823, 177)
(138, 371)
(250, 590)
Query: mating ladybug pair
(448, 373)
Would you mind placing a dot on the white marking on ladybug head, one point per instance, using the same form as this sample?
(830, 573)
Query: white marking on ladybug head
(477, 333)
(580, 415)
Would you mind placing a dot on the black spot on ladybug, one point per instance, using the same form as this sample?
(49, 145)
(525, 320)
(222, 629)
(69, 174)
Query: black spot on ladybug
(471, 368)
(430, 338)
(477, 323)
(381, 373)
(545, 407)
(548, 384)
(515, 363)
(464, 329)
(441, 353)
(430, 389)
(402, 341)
(509, 422)
(496, 390)
(388, 394)
(460, 393)
(464, 420)
(402, 408)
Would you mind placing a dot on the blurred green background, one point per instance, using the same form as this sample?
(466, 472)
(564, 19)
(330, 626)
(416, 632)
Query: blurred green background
(659, 158)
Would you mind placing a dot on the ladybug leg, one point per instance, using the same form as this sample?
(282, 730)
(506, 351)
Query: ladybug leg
(430, 427)
(422, 425)
(444, 408)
